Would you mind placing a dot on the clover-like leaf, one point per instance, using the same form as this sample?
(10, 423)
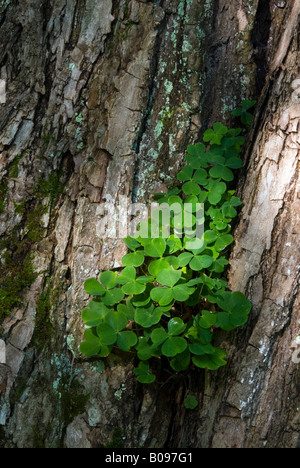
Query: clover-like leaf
(155, 248)
(223, 242)
(143, 373)
(126, 340)
(134, 288)
(131, 243)
(191, 402)
(147, 317)
(176, 326)
(173, 346)
(211, 361)
(117, 321)
(216, 134)
(163, 296)
(92, 344)
(127, 276)
(144, 350)
(196, 156)
(157, 265)
(186, 174)
(191, 188)
(107, 335)
(201, 262)
(169, 277)
(221, 172)
(135, 259)
(182, 292)
(93, 287)
(200, 349)
(208, 319)
(159, 336)
(113, 297)
(108, 279)
(181, 362)
(95, 314)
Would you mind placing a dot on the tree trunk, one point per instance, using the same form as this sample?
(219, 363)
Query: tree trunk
(102, 99)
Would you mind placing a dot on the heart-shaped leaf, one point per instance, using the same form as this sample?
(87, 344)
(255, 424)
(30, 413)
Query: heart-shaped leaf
(176, 326)
(169, 277)
(143, 373)
(95, 314)
(155, 248)
(126, 340)
(93, 287)
(173, 346)
(135, 259)
(106, 334)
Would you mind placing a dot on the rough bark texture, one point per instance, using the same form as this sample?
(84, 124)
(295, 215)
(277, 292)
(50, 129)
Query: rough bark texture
(102, 99)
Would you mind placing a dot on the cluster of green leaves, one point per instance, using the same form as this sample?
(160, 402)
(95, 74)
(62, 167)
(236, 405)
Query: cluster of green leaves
(172, 293)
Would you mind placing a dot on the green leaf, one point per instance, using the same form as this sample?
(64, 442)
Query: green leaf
(221, 172)
(117, 321)
(184, 259)
(126, 340)
(173, 346)
(95, 314)
(223, 242)
(131, 243)
(223, 321)
(135, 259)
(191, 402)
(144, 351)
(127, 276)
(159, 336)
(214, 198)
(147, 317)
(211, 361)
(107, 335)
(181, 362)
(196, 156)
(176, 326)
(108, 279)
(234, 163)
(158, 265)
(169, 277)
(173, 262)
(210, 236)
(93, 287)
(143, 373)
(174, 244)
(200, 176)
(228, 211)
(92, 345)
(237, 305)
(191, 188)
(201, 262)
(133, 289)
(155, 248)
(127, 311)
(142, 299)
(182, 292)
(208, 319)
(162, 295)
(215, 136)
(113, 297)
(186, 174)
(200, 350)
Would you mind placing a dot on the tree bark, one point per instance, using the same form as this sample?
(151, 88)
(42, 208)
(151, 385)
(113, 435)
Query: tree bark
(102, 99)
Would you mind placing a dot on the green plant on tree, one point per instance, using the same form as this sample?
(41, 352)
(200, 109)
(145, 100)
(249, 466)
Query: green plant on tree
(172, 293)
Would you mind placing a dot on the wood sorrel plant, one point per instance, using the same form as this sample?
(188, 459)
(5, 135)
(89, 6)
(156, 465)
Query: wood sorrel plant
(171, 296)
